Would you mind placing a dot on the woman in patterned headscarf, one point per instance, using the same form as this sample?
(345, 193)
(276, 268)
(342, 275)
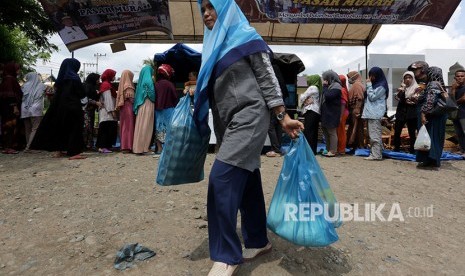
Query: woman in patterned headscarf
(237, 77)
(165, 101)
(374, 110)
(435, 124)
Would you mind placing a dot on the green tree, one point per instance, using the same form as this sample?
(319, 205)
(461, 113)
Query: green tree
(24, 31)
(17, 47)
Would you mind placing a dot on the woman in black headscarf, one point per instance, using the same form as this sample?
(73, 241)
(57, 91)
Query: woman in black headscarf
(62, 126)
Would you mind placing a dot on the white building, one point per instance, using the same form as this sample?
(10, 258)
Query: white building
(394, 66)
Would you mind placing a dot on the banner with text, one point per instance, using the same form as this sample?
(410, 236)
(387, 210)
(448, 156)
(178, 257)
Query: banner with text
(85, 22)
(424, 12)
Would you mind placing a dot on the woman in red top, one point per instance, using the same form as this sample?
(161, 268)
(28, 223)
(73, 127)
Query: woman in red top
(341, 129)
(10, 105)
(166, 98)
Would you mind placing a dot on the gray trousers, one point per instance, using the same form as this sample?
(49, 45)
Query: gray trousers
(31, 124)
(375, 131)
(331, 139)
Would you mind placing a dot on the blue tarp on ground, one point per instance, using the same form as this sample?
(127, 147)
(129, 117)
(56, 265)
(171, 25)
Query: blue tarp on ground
(397, 155)
(407, 156)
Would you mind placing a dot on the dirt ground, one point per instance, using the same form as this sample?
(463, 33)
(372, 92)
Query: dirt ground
(61, 217)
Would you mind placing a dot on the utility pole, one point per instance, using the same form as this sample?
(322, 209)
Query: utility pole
(97, 55)
(87, 64)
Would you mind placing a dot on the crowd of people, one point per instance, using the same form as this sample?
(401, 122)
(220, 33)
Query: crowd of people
(328, 103)
(238, 82)
(342, 106)
(138, 114)
(349, 112)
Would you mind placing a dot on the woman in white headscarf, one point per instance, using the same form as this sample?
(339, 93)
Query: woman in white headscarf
(406, 112)
(32, 106)
(237, 78)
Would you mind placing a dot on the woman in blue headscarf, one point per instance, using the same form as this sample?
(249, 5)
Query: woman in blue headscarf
(144, 108)
(374, 110)
(62, 126)
(237, 78)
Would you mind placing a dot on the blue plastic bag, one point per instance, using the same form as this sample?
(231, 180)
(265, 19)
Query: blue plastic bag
(184, 152)
(302, 193)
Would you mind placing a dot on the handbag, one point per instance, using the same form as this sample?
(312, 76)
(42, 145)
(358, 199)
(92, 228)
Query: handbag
(301, 189)
(444, 104)
(185, 150)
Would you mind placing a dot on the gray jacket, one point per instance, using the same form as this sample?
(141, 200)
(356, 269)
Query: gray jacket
(242, 98)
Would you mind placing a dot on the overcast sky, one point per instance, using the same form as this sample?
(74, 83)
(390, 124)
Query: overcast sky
(391, 39)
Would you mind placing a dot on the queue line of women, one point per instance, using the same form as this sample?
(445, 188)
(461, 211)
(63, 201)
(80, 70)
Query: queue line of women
(328, 101)
(62, 127)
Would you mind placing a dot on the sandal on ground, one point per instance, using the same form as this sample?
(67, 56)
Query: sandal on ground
(222, 269)
(104, 150)
(272, 154)
(329, 154)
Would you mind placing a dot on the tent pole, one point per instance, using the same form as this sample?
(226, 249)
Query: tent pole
(366, 62)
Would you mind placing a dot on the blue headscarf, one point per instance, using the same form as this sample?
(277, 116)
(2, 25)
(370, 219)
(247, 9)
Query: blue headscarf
(380, 79)
(145, 88)
(230, 39)
(69, 69)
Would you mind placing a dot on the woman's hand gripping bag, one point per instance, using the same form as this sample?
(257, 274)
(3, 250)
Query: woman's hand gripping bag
(184, 152)
(303, 209)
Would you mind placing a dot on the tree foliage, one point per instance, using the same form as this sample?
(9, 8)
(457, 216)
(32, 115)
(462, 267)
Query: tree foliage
(29, 17)
(17, 47)
(24, 31)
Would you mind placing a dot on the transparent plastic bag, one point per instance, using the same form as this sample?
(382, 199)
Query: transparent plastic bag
(423, 141)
